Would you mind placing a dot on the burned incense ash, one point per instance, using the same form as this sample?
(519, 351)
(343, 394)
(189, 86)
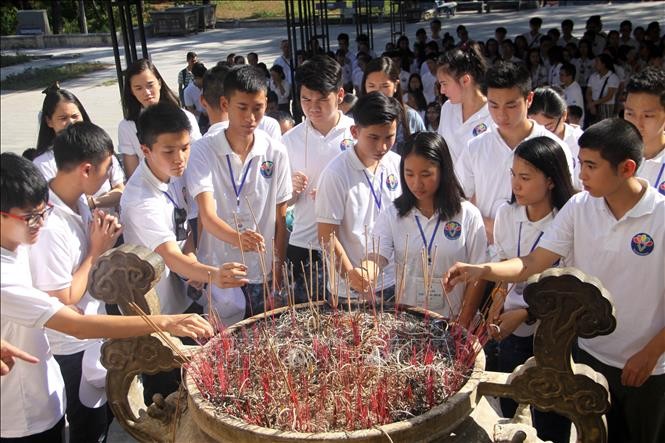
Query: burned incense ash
(333, 370)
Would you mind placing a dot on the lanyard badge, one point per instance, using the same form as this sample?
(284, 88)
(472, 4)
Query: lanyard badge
(424, 239)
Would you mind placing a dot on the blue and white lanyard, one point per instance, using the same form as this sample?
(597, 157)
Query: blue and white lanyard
(171, 198)
(519, 241)
(660, 174)
(238, 189)
(431, 241)
(377, 199)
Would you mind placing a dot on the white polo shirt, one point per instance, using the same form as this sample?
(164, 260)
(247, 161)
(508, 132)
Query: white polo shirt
(192, 94)
(33, 395)
(128, 141)
(310, 152)
(462, 238)
(458, 133)
(63, 243)
(267, 183)
(627, 256)
(267, 124)
(516, 236)
(485, 167)
(653, 171)
(571, 135)
(345, 198)
(46, 165)
(147, 216)
(596, 83)
(573, 96)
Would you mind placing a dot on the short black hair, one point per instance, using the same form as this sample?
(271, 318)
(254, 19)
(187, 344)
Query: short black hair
(569, 69)
(537, 21)
(199, 69)
(375, 108)
(162, 118)
(213, 84)
(343, 36)
(506, 75)
(575, 111)
(272, 97)
(650, 80)
(501, 30)
(22, 185)
(245, 78)
(191, 55)
(449, 195)
(567, 22)
(81, 142)
(321, 74)
(547, 155)
(616, 139)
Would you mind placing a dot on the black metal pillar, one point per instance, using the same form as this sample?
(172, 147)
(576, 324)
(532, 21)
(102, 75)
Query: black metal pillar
(123, 9)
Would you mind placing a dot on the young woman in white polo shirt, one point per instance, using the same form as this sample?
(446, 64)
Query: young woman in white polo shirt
(548, 108)
(144, 86)
(60, 109)
(613, 231)
(433, 215)
(541, 185)
(465, 114)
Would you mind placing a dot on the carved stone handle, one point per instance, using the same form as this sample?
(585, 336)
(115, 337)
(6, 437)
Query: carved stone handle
(568, 304)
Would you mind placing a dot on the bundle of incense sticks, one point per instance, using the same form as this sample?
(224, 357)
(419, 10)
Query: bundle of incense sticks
(162, 334)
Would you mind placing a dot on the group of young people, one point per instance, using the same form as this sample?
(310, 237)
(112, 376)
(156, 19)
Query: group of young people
(377, 201)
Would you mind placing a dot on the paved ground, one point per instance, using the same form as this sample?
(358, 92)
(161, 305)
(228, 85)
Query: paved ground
(100, 95)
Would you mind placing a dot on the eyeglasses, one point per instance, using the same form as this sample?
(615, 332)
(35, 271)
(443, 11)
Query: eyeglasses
(179, 219)
(32, 220)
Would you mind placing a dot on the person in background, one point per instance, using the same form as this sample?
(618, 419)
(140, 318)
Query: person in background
(185, 75)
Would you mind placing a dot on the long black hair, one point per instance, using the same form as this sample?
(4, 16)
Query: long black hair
(131, 107)
(548, 157)
(449, 195)
(54, 95)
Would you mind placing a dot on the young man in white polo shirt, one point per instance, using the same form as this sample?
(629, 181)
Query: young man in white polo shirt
(311, 146)
(353, 190)
(241, 180)
(613, 231)
(155, 213)
(572, 91)
(33, 395)
(484, 169)
(645, 108)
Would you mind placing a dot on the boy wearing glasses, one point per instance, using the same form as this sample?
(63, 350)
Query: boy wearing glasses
(33, 394)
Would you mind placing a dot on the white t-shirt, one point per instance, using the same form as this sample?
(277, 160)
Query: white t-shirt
(584, 69)
(516, 236)
(573, 96)
(462, 238)
(310, 152)
(282, 97)
(267, 184)
(63, 243)
(429, 85)
(571, 135)
(147, 216)
(192, 95)
(46, 165)
(346, 198)
(596, 83)
(285, 64)
(485, 168)
(33, 395)
(128, 141)
(627, 256)
(457, 133)
(653, 171)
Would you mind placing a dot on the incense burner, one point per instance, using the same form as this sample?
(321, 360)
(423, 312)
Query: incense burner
(568, 304)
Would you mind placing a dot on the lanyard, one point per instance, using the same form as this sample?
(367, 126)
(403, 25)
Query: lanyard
(660, 174)
(519, 241)
(171, 198)
(238, 189)
(377, 200)
(431, 241)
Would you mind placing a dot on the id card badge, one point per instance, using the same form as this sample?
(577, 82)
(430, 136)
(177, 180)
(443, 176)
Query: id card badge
(519, 288)
(435, 302)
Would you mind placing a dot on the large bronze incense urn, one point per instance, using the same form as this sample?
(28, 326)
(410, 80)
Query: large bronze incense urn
(567, 303)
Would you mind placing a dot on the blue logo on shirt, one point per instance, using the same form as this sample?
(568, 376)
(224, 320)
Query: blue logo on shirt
(661, 188)
(391, 182)
(479, 129)
(452, 230)
(642, 244)
(345, 144)
(267, 169)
